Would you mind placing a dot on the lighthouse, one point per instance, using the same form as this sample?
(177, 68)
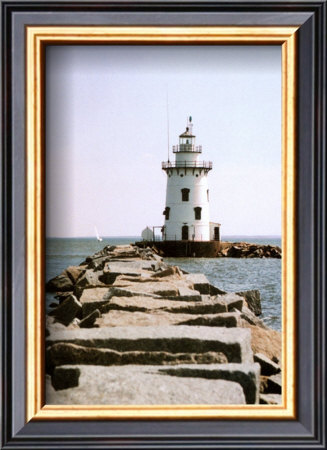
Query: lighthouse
(187, 231)
(187, 197)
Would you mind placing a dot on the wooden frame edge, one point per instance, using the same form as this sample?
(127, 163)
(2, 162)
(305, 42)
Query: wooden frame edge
(36, 39)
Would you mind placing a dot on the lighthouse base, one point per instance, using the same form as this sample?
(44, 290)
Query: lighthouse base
(180, 249)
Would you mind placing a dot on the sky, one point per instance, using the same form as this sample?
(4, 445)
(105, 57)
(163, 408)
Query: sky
(111, 112)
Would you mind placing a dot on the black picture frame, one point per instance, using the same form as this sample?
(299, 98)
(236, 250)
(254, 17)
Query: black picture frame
(308, 430)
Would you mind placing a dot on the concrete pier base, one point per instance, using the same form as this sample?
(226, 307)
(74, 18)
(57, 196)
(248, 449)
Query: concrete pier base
(196, 249)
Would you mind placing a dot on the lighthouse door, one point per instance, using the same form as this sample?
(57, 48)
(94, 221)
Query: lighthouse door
(185, 233)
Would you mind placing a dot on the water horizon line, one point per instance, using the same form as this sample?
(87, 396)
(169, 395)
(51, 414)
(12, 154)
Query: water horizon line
(276, 236)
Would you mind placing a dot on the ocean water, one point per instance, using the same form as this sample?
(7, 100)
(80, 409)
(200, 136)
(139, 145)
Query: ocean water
(228, 274)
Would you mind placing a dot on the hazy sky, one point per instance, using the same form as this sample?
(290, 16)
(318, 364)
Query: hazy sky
(106, 134)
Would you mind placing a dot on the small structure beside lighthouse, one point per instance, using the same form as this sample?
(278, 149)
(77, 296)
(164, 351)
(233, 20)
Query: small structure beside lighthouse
(187, 230)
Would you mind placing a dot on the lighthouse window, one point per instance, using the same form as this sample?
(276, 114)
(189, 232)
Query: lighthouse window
(197, 212)
(166, 212)
(208, 194)
(185, 194)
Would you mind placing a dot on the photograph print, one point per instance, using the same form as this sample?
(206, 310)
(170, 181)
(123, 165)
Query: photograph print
(163, 225)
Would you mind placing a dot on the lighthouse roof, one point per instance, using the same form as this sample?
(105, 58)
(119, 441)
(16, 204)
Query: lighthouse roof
(187, 133)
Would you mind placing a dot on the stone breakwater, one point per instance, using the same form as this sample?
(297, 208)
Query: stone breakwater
(130, 329)
(247, 250)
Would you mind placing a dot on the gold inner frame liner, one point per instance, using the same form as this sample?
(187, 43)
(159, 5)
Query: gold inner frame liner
(36, 40)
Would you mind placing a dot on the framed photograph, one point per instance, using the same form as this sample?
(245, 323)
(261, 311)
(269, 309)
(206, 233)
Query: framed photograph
(119, 291)
(64, 73)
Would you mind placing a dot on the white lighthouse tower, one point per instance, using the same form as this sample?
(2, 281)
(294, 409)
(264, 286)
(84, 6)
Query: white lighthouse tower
(187, 198)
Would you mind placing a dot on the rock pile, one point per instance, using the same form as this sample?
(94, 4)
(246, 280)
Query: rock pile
(130, 329)
(246, 250)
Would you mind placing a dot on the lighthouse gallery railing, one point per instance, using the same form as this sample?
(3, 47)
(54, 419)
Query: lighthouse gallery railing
(187, 164)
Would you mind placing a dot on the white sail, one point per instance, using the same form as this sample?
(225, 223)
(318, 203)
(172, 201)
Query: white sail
(97, 234)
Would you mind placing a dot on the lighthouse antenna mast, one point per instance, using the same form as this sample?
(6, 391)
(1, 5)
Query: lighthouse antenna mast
(168, 143)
